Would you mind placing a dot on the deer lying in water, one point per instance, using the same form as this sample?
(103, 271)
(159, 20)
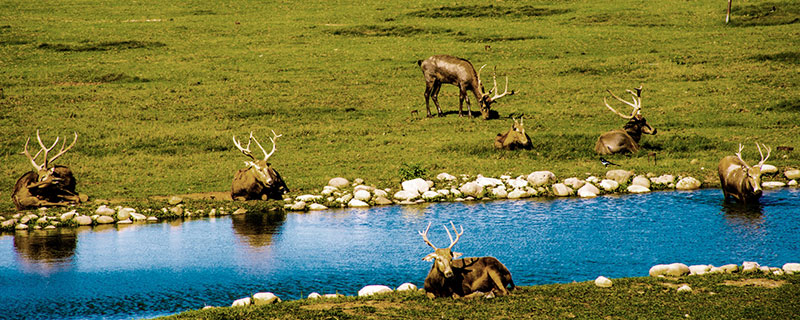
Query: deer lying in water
(514, 138)
(46, 185)
(739, 180)
(441, 69)
(625, 139)
(467, 277)
(259, 181)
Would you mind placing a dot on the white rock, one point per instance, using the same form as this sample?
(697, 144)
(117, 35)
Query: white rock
(431, 195)
(362, 195)
(329, 190)
(137, 216)
(792, 174)
(609, 185)
(685, 288)
(641, 181)
(331, 295)
(487, 182)
(373, 289)
(405, 195)
(104, 211)
(407, 287)
(540, 178)
(672, 270)
(593, 179)
(750, 266)
(243, 302)
(21, 226)
(603, 282)
(308, 198)
(517, 183)
(472, 189)
(355, 203)
(500, 192)
(768, 169)
(637, 189)
(68, 215)
(561, 190)
(792, 183)
(317, 206)
(363, 187)
(338, 182)
(729, 268)
(152, 219)
(314, 295)
(688, 183)
(125, 213)
(517, 194)
(773, 184)
(417, 185)
(126, 221)
(588, 191)
(83, 220)
(262, 298)
(444, 176)
(443, 192)
(574, 183)
(380, 193)
(620, 176)
(104, 220)
(664, 179)
(791, 268)
(699, 269)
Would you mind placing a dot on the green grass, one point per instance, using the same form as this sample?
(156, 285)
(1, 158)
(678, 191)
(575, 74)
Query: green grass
(712, 297)
(156, 89)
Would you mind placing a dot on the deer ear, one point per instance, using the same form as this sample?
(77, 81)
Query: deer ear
(430, 257)
(457, 254)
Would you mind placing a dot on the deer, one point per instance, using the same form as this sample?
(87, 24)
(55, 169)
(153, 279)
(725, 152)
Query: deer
(47, 185)
(439, 69)
(514, 138)
(467, 277)
(739, 180)
(258, 181)
(625, 139)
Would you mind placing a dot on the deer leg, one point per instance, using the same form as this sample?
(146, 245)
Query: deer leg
(428, 90)
(436, 88)
(497, 279)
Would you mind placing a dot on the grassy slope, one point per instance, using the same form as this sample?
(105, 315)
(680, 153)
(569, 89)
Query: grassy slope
(712, 297)
(156, 102)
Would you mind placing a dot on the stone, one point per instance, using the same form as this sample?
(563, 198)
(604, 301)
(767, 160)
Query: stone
(355, 203)
(488, 182)
(729, 268)
(373, 289)
(239, 211)
(500, 192)
(618, 175)
(380, 193)
(177, 210)
(431, 195)
(345, 198)
(445, 177)
(417, 185)
(126, 221)
(174, 200)
(517, 183)
(41, 220)
(574, 183)
(791, 268)
(298, 206)
(314, 295)
(332, 295)
(768, 169)
(317, 206)
(21, 226)
(540, 178)
(243, 302)
(588, 190)
(698, 270)
(309, 198)
(407, 287)
(362, 195)
(664, 179)
(329, 190)
(685, 288)
(137, 216)
(104, 220)
(263, 298)
(152, 219)
(443, 192)
(603, 282)
(641, 181)
(382, 201)
(104, 211)
(405, 195)
(561, 190)
(670, 270)
(792, 173)
(688, 183)
(125, 213)
(593, 179)
(792, 183)
(750, 266)
(609, 185)
(773, 184)
(338, 182)
(68, 215)
(83, 220)
(9, 223)
(637, 189)
(472, 189)
(358, 181)
(517, 194)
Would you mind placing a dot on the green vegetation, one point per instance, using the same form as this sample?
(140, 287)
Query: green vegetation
(712, 297)
(156, 89)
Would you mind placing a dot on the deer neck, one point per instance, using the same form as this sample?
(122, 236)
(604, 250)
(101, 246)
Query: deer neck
(634, 130)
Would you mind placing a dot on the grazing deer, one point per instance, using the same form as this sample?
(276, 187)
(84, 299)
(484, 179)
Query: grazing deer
(259, 180)
(514, 138)
(625, 139)
(46, 185)
(739, 180)
(467, 277)
(441, 69)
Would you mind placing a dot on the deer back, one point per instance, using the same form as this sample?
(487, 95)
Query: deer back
(258, 183)
(739, 181)
(514, 138)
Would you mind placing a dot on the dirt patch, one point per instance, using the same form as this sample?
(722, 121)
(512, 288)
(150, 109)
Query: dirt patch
(214, 195)
(354, 308)
(763, 283)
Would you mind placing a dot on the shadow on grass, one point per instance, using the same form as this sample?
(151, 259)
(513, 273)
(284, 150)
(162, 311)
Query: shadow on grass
(787, 57)
(101, 46)
(389, 31)
(766, 14)
(479, 11)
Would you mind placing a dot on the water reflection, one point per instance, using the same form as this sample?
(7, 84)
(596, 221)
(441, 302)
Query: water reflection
(749, 215)
(45, 251)
(257, 229)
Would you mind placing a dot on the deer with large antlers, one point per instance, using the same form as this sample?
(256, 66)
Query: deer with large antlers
(441, 69)
(514, 138)
(259, 181)
(467, 277)
(47, 185)
(625, 139)
(739, 180)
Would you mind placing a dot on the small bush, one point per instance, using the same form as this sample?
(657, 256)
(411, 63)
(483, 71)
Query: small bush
(410, 171)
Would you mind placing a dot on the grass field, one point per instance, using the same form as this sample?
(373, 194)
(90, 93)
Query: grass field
(156, 89)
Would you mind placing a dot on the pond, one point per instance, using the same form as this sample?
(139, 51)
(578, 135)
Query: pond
(149, 270)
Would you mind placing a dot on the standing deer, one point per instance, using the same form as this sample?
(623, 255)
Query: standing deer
(514, 138)
(467, 277)
(739, 180)
(625, 139)
(259, 180)
(46, 185)
(441, 69)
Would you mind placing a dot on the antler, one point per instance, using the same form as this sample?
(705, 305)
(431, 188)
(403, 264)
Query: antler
(425, 236)
(636, 105)
(246, 150)
(249, 153)
(61, 150)
(46, 150)
(739, 155)
(505, 92)
(763, 158)
(480, 83)
(458, 235)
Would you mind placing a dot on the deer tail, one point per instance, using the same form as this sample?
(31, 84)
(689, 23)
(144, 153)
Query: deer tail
(419, 62)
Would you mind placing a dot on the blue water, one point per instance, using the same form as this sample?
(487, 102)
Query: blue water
(148, 270)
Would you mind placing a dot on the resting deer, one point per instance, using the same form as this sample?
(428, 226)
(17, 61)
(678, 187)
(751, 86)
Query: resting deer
(514, 138)
(625, 139)
(467, 277)
(441, 69)
(259, 181)
(47, 185)
(739, 180)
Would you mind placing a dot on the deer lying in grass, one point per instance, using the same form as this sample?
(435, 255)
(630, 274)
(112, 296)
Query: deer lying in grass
(625, 139)
(46, 185)
(259, 181)
(514, 138)
(739, 180)
(441, 69)
(467, 277)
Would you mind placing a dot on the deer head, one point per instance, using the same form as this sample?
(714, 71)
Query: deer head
(487, 99)
(260, 167)
(45, 170)
(753, 179)
(637, 124)
(443, 257)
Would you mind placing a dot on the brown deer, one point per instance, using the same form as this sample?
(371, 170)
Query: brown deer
(739, 180)
(514, 138)
(441, 69)
(625, 139)
(259, 181)
(47, 185)
(467, 277)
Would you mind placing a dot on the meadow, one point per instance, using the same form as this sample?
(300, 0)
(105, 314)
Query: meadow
(155, 90)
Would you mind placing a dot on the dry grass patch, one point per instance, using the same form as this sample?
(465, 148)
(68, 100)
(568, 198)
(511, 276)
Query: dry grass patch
(763, 283)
